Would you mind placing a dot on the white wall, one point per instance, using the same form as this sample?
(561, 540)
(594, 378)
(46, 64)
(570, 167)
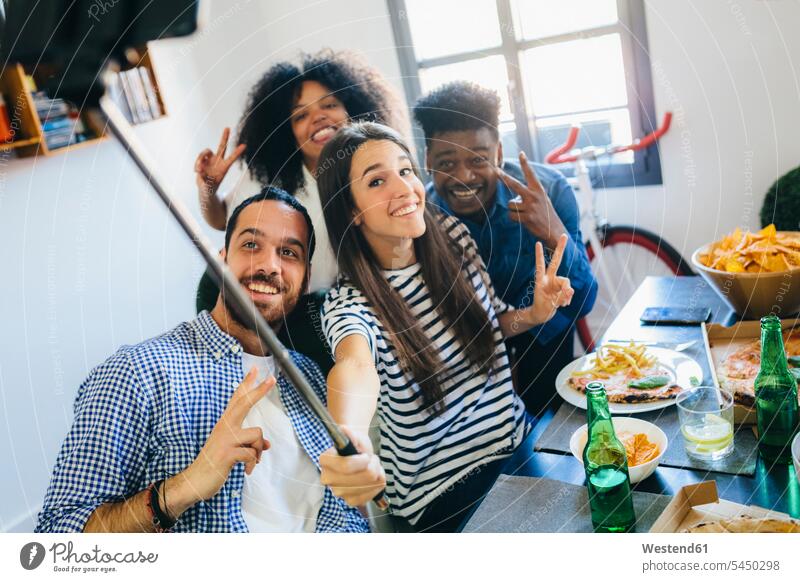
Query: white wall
(730, 72)
(91, 260)
(242, 39)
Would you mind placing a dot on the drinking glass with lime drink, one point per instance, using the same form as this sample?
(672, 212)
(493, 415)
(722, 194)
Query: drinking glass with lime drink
(706, 417)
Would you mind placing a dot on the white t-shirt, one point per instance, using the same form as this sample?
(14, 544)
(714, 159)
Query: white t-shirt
(324, 269)
(283, 493)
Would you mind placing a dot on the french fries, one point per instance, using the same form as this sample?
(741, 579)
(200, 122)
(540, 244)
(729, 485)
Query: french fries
(766, 251)
(611, 358)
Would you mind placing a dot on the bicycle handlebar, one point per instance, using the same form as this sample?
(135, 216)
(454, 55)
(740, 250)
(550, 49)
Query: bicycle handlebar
(557, 156)
(651, 137)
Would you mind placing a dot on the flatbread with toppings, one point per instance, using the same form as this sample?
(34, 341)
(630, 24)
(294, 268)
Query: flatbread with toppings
(629, 373)
(737, 372)
(747, 524)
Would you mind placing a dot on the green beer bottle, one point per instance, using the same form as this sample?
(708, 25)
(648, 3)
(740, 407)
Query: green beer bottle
(776, 396)
(606, 465)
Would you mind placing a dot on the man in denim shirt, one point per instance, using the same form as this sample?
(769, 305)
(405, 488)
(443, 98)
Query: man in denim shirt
(169, 434)
(507, 208)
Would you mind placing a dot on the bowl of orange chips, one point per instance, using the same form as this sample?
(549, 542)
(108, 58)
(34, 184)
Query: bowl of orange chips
(644, 442)
(756, 273)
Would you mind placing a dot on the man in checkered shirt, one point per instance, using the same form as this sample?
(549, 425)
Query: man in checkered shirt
(170, 434)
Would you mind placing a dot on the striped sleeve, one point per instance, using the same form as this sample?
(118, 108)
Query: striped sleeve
(343, 315)
(460, 234)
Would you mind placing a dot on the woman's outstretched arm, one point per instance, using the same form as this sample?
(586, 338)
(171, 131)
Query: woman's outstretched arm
(353, 384)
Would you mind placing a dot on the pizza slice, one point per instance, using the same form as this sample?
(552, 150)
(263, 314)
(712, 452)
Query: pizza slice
(737, 372)
(627, 387)
(747, 524)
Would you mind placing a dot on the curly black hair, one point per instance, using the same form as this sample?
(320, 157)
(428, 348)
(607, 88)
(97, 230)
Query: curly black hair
(458, 106)
(272, 154)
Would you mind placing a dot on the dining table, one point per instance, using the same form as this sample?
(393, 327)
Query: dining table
(772, 487)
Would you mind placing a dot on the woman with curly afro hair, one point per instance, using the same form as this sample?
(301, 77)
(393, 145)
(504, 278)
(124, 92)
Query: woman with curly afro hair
(291, 113)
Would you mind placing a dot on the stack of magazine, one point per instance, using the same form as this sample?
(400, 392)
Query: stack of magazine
(61, 121)
(134, 93)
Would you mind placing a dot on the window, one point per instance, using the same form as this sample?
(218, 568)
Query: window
(553, 64)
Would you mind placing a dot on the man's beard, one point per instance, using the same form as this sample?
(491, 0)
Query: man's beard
(275, 315)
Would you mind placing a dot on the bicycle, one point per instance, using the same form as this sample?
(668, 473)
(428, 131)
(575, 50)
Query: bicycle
(621, 256)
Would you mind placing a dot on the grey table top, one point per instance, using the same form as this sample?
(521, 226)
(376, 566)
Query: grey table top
(771, 487)
(541, 505)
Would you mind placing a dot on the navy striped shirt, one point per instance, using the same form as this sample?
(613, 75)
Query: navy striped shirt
(424, 454)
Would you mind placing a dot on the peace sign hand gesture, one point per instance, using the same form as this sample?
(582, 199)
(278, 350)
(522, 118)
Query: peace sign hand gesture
(551, 291)
(211, 167)
(229, 443)
(532, 206)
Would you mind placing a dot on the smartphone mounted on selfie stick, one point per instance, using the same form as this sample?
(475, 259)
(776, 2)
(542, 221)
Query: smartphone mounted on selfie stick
(235, 297)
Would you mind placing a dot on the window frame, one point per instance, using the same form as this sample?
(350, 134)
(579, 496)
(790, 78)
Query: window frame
(646, 167)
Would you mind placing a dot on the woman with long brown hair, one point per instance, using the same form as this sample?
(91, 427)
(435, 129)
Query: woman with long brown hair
(417, 332)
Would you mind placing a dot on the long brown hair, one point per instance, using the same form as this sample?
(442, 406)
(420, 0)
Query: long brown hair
(441, 259)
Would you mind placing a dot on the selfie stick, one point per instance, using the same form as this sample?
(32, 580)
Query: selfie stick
(235, 296)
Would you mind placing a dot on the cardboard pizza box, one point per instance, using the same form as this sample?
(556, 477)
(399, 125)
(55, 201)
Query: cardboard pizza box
(699, 503)
(721, 341)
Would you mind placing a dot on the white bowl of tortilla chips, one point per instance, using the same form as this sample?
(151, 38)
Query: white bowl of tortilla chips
(628, 431)
(756, 273)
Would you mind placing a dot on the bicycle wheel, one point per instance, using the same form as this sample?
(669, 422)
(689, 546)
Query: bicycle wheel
(633, 254)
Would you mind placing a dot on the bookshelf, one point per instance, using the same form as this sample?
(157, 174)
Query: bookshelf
(21, 112)
(31, 119)
(29, 137)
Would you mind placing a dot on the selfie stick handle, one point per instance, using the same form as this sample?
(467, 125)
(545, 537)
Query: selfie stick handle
(235, 296)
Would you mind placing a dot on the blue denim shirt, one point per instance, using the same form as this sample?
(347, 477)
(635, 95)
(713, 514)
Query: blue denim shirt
(508, 249)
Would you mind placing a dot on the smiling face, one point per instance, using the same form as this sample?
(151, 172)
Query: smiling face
(268, 254)
(463, 164)
(316, 115)
(388, 196)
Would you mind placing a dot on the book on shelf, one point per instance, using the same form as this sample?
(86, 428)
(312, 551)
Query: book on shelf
(127, 93)
(135, 94)
(6, 131)
(139, 98)
(116, 94)
(55, 141)
(53, 124)
(47, 108)
(150, 92)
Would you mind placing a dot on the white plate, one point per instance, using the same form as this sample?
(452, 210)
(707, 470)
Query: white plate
(681, 366)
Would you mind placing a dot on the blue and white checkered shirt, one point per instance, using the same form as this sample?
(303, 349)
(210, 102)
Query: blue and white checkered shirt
(144, 415)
